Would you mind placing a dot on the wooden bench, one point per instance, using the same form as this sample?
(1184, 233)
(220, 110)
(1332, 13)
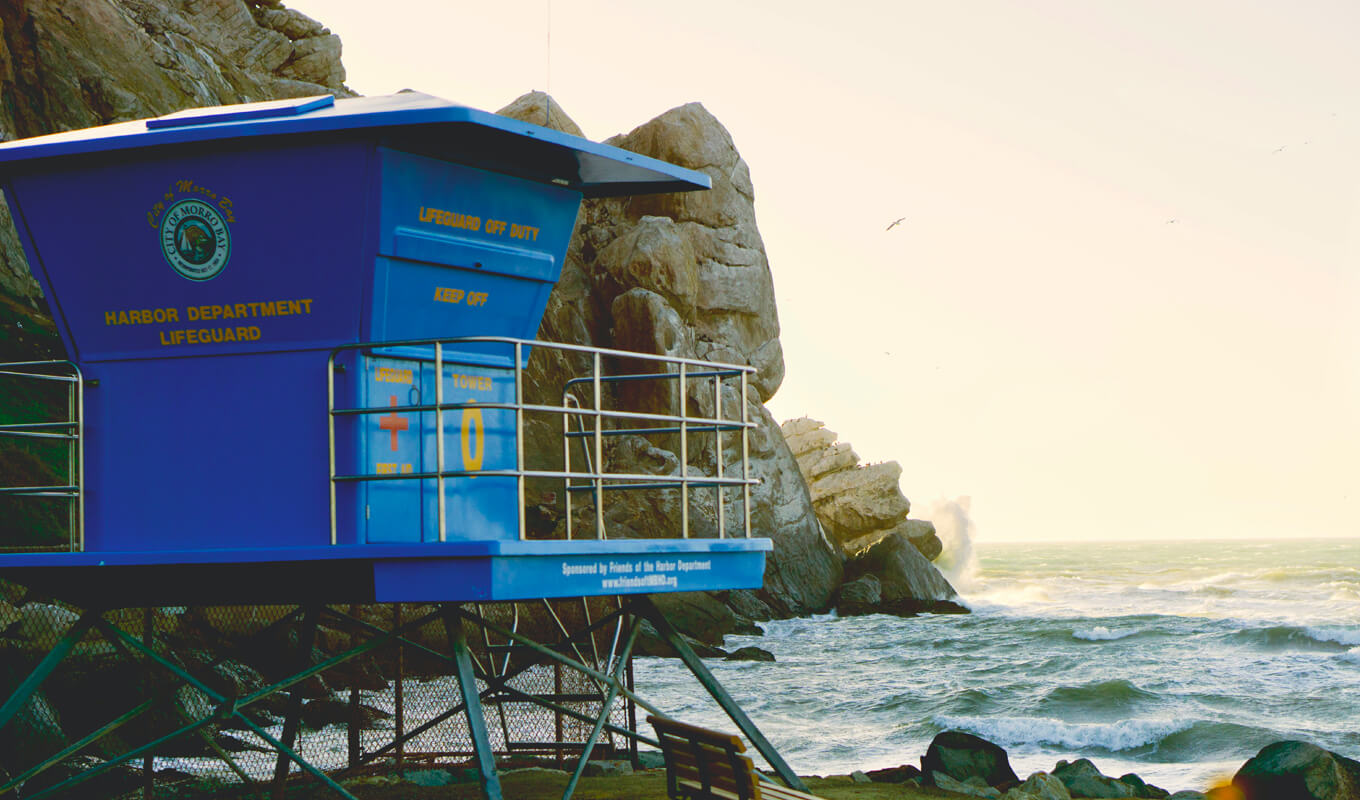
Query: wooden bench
(708, 765)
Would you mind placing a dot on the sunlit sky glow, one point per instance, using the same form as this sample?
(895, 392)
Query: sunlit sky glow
(1124, 301)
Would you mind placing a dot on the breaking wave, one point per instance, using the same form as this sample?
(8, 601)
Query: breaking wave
(1126, 734)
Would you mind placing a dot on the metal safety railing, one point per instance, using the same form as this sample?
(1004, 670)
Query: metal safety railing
(69, 431)
(594, 424)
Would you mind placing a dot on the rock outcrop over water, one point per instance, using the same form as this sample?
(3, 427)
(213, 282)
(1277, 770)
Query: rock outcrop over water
(858, 504)
(862, 508)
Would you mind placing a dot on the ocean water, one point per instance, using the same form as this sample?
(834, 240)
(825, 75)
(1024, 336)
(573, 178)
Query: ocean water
(1174, 660)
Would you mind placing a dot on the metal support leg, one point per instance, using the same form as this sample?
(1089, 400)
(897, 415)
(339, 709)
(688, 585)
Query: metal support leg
(605, 708)
(472, 702)
(50, 661)
(149, 760)
(646, 608)
(306, 639)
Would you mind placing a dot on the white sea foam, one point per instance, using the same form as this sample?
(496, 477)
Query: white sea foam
(1100, 633)
(1352, 655)
(1125, 734)
(1338, 635)
(957, 561)
(1009, 596)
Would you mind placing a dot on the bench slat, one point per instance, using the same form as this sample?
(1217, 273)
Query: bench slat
(703, 764)
(769, 792)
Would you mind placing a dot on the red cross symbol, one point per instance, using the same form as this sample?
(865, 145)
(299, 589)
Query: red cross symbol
(393, 423)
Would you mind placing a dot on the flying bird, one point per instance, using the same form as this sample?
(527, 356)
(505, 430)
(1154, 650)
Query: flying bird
(895, 223)
(1279, 149)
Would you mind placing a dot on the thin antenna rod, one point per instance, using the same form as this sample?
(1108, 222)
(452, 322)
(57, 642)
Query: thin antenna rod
(547, 112)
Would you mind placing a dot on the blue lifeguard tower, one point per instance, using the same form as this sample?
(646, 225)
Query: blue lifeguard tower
(297, 335)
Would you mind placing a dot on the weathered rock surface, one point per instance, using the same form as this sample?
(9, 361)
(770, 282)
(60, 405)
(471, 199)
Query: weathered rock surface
(69, 64)
(1293, 770)
(857, 504)
(860, 596)
(1045, 787)
(1142, 788)
(962, 756)
(1082, 779)
(973, 787)
(908, 583)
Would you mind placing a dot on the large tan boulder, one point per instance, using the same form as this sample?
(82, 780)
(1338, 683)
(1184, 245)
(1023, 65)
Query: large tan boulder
(682, 275)
(857, 501)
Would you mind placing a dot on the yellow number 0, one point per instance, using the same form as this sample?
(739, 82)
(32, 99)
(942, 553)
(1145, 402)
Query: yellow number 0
(472, 454)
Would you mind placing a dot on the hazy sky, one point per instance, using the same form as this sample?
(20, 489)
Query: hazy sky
(1124, 302)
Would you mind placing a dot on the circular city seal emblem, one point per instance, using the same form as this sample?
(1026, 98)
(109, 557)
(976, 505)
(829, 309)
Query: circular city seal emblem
(195, 240)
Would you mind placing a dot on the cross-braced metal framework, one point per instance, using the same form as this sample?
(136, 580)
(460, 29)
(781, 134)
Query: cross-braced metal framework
(487, 650)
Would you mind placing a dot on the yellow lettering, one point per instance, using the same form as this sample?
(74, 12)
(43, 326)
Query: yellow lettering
(444, 294)
(110, 317)
(473, 450)
(394, 375)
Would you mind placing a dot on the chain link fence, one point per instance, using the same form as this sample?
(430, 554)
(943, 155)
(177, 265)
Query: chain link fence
(363, 702)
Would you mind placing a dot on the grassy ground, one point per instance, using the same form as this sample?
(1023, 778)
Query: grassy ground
(649, 785)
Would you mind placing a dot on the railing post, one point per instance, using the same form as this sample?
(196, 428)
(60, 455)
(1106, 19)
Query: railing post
(745, 462)
(72, 530)
(80, 455)
(330, 432)
(718, 451)
(598, 466)
(684, 455)
(439, 435)
(567, 402)
(519, 436)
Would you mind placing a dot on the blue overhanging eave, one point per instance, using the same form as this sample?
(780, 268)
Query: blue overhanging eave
(409, 121)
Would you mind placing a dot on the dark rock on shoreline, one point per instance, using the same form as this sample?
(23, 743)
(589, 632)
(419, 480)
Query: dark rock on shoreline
(1083, 779)
(908, 583)
(899, 774)
(750, 654)
(1293, 770)
(859, 596)
(962, 756)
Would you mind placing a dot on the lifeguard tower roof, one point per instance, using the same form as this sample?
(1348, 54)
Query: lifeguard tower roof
(297, 334)
(409, 121)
